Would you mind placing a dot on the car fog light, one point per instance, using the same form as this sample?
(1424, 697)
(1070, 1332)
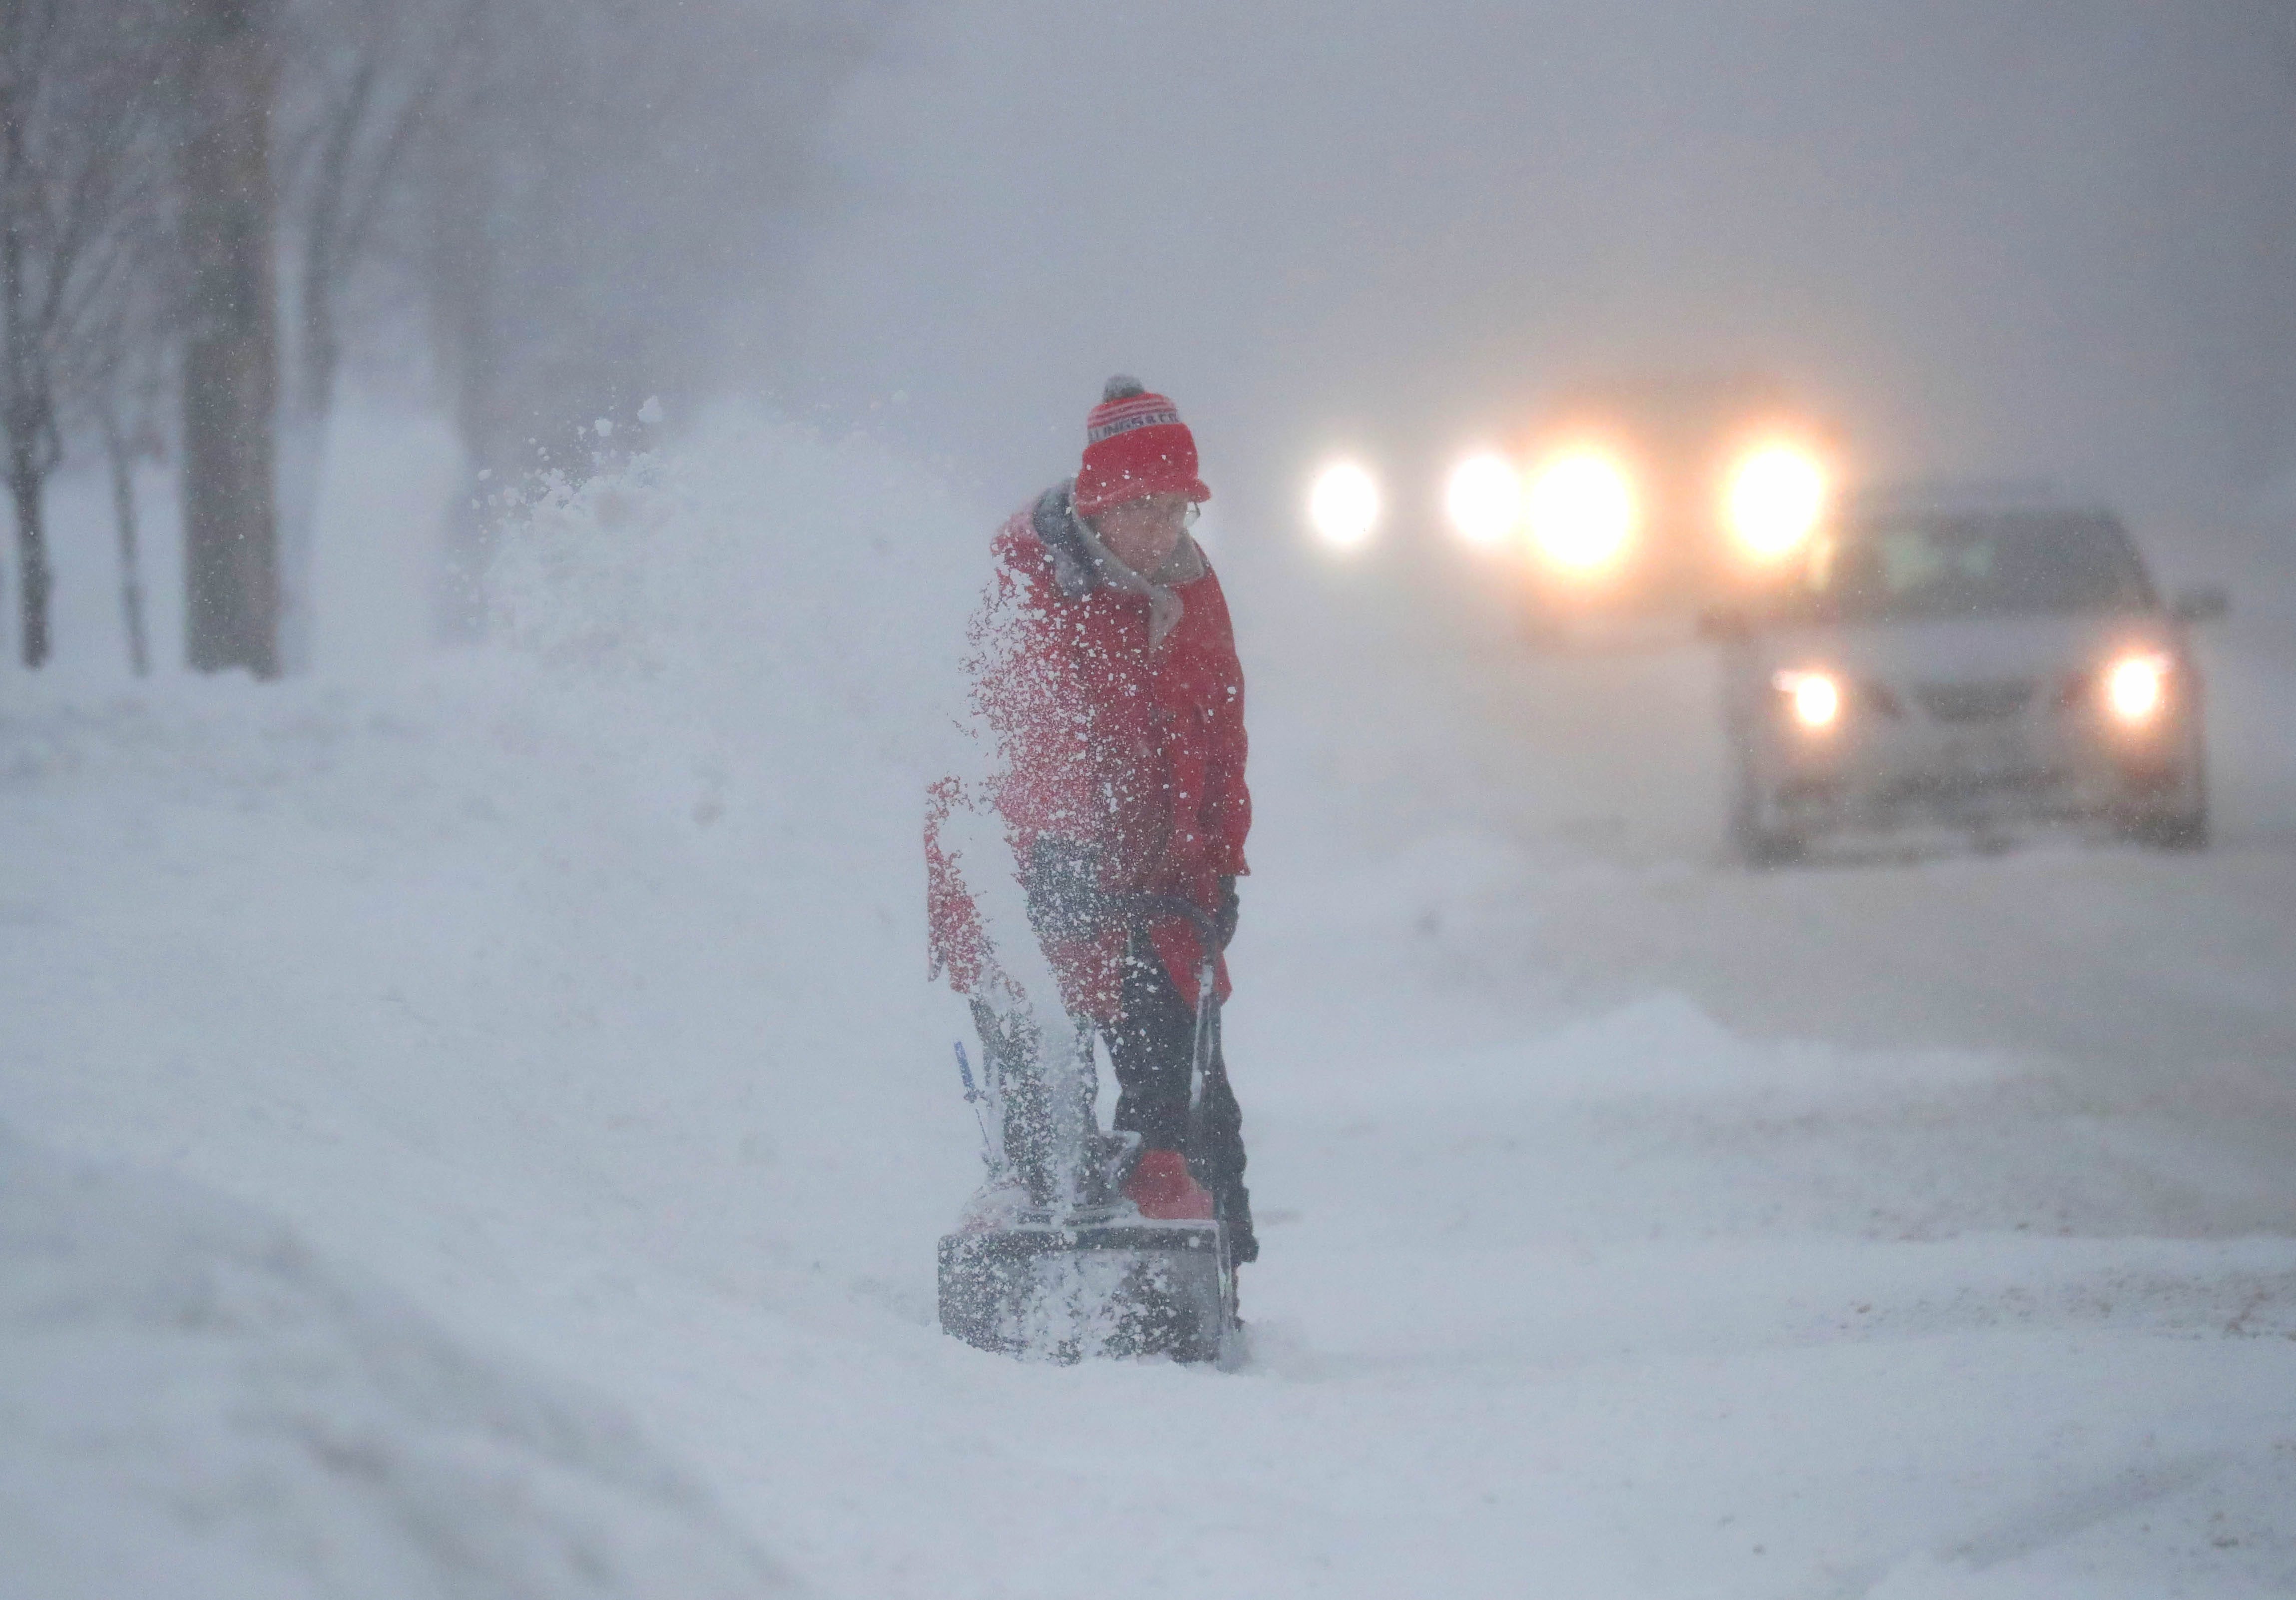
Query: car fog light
(1815, 698)
(2136, 686)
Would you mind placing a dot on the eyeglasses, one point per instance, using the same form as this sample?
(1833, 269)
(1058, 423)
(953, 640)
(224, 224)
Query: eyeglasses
(1145, 507)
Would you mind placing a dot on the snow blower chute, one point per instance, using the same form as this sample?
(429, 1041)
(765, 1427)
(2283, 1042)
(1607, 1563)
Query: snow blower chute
(1069, 1270)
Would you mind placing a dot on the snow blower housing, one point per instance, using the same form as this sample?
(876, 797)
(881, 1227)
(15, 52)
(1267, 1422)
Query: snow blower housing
(1066, 1293)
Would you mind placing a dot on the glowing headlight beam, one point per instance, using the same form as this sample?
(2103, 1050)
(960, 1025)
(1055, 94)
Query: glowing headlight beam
(1343, 507)
(1774, 499)
(2136, 686)
(1484, 500)
(1815, 698)
(1581, 510)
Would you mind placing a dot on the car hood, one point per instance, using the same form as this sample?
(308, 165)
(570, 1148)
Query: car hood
(1963, 650)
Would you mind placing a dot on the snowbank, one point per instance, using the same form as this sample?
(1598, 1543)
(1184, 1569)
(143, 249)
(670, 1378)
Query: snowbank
(192, 1403)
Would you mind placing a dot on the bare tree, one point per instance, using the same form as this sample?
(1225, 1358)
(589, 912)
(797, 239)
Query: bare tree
(230, 346)
(571, 190)
(129, 439)
(359, 81)
(128, 377)
(605, 179)
(574, 190)
(83, 103)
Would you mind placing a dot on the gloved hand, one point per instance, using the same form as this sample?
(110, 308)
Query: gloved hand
(1226, 910)
(1062, 883)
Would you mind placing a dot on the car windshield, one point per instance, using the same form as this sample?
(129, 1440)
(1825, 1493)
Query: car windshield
(1905, 567)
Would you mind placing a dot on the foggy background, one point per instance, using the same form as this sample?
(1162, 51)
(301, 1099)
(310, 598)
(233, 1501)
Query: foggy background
(2050, 239)
(2042, 242)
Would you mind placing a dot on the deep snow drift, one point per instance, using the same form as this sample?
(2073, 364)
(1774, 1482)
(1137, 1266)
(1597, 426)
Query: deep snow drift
(1633, 1225)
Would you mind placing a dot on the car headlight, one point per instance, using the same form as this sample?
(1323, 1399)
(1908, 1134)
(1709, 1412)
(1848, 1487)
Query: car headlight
(1343, 505)
(1581, 510)
(1815, 698)
(1485, 500)
(1774, 499)
(2136, 687)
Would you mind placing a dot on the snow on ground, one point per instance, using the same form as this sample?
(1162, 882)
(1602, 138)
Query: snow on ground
(196, 1405)
(1633, 1226)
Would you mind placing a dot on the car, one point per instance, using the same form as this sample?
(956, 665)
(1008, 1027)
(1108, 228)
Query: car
(1974, 660)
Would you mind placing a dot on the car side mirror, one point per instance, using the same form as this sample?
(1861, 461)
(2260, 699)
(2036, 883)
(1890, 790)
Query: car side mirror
(2206, 604)
(1718, 624)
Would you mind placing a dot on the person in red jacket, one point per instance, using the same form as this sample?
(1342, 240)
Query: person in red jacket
(1104, 673)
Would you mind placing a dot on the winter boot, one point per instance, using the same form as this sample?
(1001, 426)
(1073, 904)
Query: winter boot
(1165, 1191)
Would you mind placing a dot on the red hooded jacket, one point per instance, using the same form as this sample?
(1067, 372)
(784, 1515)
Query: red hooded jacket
(1137, 754)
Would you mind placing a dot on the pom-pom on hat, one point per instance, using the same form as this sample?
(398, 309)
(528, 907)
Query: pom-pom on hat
(1135, 444)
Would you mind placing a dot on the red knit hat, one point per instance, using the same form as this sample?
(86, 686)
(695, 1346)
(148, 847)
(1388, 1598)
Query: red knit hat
(1134, 445)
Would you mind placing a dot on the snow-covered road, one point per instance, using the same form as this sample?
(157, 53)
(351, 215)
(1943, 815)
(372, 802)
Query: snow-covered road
(1633, 1224)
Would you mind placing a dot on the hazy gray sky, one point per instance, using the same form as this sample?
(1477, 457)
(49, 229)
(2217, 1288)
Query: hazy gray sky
(2025, 235)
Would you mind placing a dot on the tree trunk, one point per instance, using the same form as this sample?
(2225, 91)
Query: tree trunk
(302, 464)
(23, 391)
(310, 404)
(32, 577)
(121, 455)
(470, 237)
(230, 377)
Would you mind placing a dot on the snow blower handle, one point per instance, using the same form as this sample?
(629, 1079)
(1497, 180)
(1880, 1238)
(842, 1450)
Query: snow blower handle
(1208, 942)
(1144, 906)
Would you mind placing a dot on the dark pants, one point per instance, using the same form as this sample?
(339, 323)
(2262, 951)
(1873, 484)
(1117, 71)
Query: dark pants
(1153, 1049)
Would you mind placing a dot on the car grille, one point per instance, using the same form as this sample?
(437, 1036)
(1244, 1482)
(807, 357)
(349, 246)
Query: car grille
(1974, 702)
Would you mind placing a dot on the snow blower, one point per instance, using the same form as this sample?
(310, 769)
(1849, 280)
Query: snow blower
(1069, 1269)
